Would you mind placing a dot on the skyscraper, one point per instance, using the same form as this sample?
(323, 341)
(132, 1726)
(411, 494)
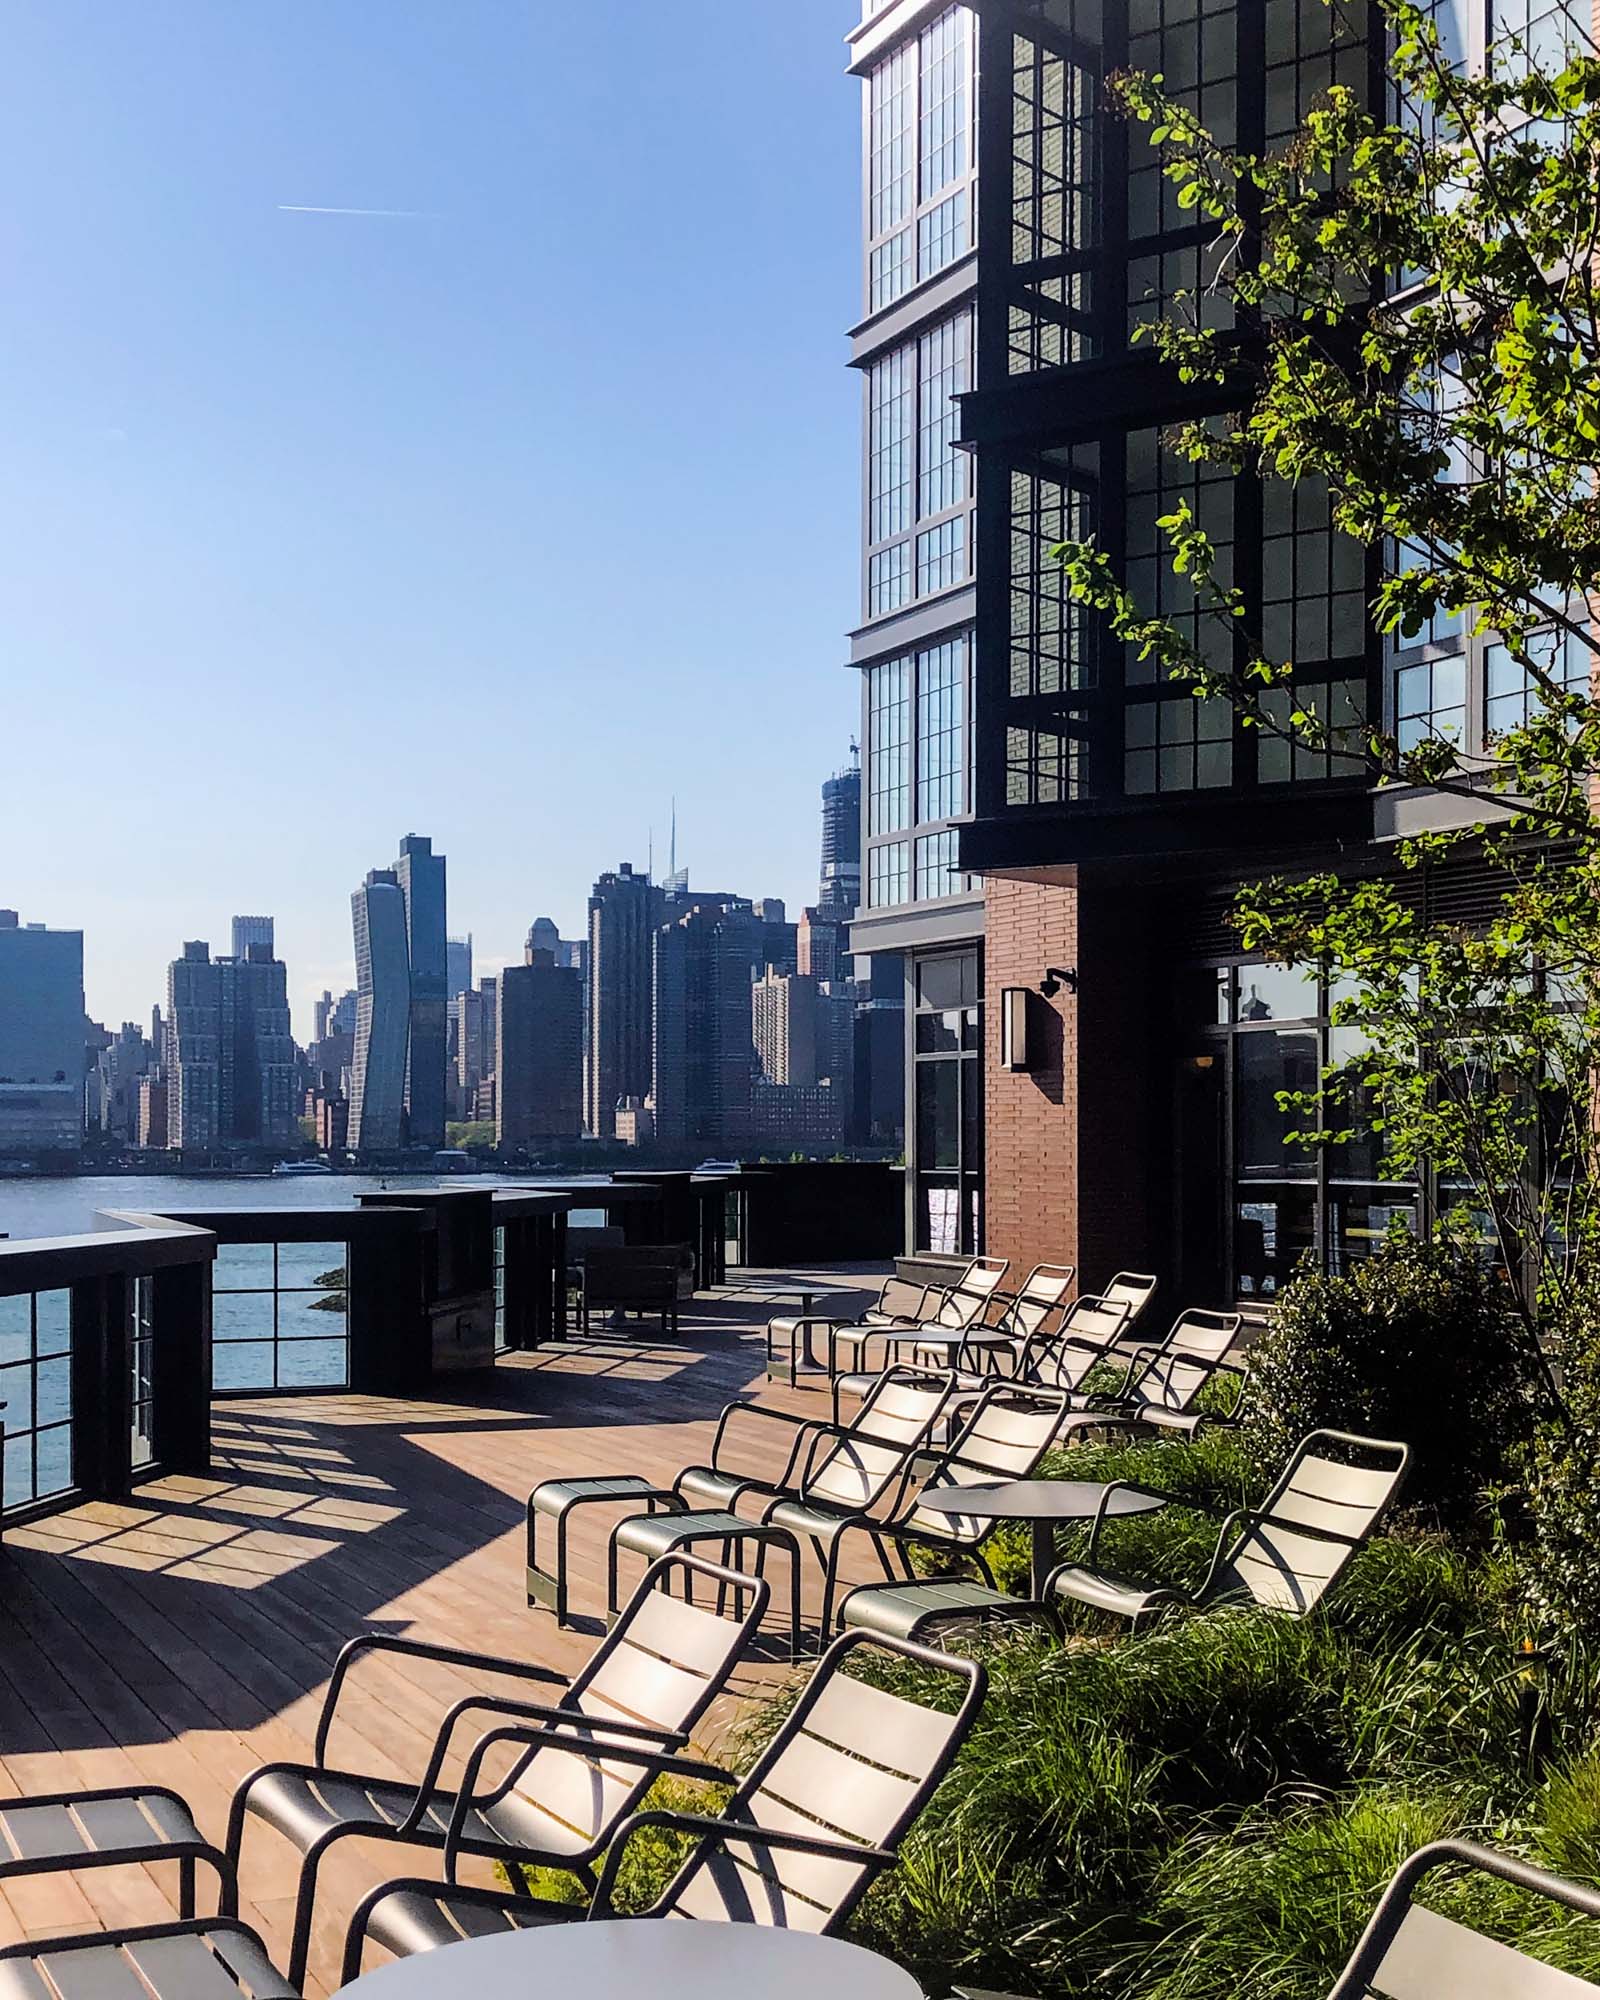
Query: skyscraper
(785, 1025)
(622, 919)
(229, 1057)
(252, 930)
(538, 1051)
(841, 843)
(383, 1012)
(41, 1038)
(458, 965)
(703, 1052)
(420, 874)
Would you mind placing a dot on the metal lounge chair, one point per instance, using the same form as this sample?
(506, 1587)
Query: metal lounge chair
(900, 1302)
(966, 1305)
(1036, 1318)
(1135, 1290)
(196, 1959)
(648, 1683)
(1409, 1952)
(1007, 1431)
(1285, 1555)
(799, 1843)
(1163, 1383)
(899, 1413)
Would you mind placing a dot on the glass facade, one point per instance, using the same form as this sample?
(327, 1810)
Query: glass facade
(919, 158)
(918, 781)
(919, 488)
(1249, 1032)
(947, 1102)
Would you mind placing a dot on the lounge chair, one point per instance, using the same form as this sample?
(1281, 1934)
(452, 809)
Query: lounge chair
(797, 1846)
(1017, 1344)
(650, 1680)
(1285, 1555)
(965, 1306)
(1409, 1952)
(1135, 1290)
(901, 1302)
(1007, 1431)
(1163, 1383)
(899, 1414)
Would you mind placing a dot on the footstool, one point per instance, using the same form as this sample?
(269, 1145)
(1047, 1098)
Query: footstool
(658, 1534)
(561, 1498)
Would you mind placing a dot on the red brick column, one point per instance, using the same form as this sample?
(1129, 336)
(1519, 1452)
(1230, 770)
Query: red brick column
(1074, 1154)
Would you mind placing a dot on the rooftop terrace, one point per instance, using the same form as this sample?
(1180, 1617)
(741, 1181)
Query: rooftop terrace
(185, 1634)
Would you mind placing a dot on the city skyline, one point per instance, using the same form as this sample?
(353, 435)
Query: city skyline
(349, 507)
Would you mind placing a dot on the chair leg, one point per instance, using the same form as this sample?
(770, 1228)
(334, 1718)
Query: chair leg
(300, 1942)
(186, 1907)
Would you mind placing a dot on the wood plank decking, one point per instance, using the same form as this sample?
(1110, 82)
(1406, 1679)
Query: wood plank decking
(186, 1637)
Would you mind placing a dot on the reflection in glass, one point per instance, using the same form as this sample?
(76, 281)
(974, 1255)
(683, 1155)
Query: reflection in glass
(1264, 1065)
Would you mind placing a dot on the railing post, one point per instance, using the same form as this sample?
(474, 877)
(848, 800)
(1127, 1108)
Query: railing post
(390, 1336)
(180, 1368)
(102, 1391)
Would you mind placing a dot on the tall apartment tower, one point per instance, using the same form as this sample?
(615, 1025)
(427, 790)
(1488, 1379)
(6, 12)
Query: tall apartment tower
(538, 1051)
(229, 1058)
(41, 1038)
(420, 873)
(252, 930)
(383, 1015)
(789, 1038)
(623, 913)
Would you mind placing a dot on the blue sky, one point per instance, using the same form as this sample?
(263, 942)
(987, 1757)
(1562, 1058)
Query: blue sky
(501, 520)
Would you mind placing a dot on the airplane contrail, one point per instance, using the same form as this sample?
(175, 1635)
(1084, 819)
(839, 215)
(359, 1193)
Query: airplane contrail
(398, 214)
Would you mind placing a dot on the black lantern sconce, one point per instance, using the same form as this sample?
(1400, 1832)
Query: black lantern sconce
(1057, 976)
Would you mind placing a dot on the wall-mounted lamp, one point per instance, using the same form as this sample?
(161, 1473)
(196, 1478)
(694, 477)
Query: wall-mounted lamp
(1014, 1027)
(1055, 977)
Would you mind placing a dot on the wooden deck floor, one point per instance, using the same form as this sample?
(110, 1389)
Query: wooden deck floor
(187, 1637)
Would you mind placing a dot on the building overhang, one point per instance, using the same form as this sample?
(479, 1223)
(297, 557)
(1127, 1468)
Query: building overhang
(918, 625)
(1218, 829)
(1059, 407)
(885, 26)
(918, 926)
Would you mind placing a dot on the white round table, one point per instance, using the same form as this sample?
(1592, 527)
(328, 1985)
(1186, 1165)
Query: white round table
(643, 1959)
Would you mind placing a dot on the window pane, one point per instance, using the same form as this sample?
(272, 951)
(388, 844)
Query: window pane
(888, 746)
(941, 676)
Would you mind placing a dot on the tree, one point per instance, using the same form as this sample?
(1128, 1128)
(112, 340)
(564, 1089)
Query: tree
(1453, 415)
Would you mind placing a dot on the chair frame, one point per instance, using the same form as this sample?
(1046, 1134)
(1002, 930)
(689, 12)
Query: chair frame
(889, 1530)
(1127, 1407)
(562, 1727)
(1237, 1526)
(1355, 1982)
(184, 1927)
(715, 1831)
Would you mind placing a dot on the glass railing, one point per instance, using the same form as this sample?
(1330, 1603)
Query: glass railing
(280, 1316)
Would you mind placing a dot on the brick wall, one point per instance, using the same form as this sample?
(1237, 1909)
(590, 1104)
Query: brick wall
(1074, 1147)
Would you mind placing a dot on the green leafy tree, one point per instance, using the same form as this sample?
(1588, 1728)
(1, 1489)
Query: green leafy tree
(1405, 314)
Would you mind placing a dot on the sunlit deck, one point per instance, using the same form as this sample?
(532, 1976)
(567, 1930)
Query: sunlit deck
(186, 1636)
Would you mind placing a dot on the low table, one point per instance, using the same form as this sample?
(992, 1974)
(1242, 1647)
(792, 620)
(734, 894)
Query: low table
(622, 1958)
(1042, 1503)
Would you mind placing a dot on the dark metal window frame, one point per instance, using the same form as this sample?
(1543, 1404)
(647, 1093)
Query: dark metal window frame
(274, 1338)
(915, 830)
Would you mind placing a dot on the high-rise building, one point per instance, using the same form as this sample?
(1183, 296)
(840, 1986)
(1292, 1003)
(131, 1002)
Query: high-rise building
(342, 1021)
(383, 1014)
(822, 946)
(703, 1056)
(153, 1112)
(230, 1056)
(538, 1051)
(458, 965)
(421, 875)
(320, 1010)
(252, 930)
(41, 1038)
(786, 1030)
(840, 890)
(474, 1014)
(623, 914)
(121, 1067)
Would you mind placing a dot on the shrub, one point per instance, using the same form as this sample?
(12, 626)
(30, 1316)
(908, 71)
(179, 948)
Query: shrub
(1564, 1488)
(1418, 1343)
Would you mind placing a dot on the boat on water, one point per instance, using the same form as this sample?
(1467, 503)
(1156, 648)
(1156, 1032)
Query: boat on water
(302, 1167)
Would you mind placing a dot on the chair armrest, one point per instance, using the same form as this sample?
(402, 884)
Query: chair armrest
(798, 1424)
(1100, 1514)
(716, 1830)
(534, 1711)
(416, 1649)
(660, 1763)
